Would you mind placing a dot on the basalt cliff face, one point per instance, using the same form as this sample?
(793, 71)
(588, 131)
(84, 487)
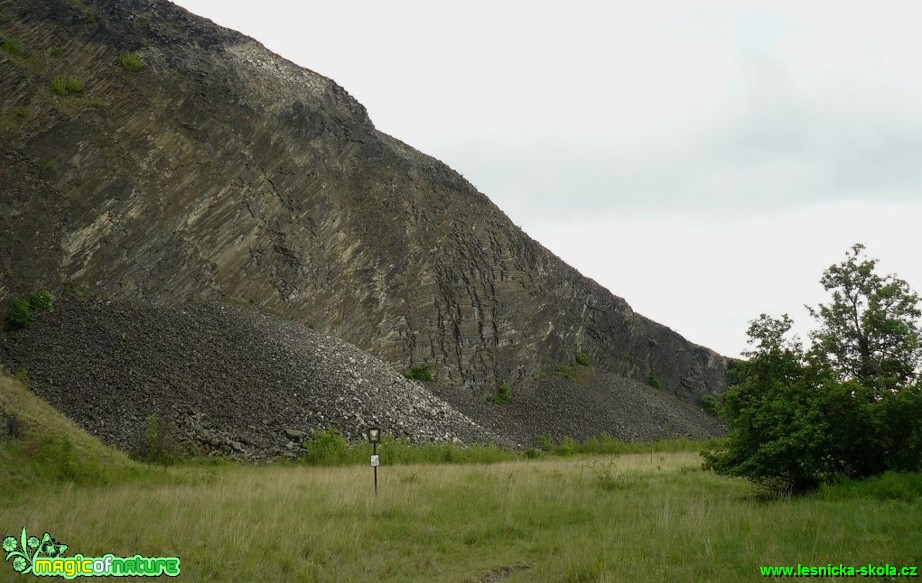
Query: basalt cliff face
(219, 171)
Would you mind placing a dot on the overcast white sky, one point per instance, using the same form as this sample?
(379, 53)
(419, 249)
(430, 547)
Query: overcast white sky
(705, 160)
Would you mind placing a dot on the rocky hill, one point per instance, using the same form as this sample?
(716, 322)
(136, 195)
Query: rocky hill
(149, 155)
(220, 379)
(231, 380)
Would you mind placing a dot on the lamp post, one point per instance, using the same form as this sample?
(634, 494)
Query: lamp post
(374, 438)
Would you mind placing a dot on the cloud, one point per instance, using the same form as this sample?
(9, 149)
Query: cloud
(707, 281)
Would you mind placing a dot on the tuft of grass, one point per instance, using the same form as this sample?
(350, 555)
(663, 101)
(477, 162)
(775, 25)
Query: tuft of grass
(11, 47)
(503, 393)
(131, 61)
(56, 52)
(64, 86)
(577, 371)
(906, 487)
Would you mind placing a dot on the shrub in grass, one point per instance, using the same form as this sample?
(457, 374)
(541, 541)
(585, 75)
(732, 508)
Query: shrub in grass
(568, 446)
(64, 86)
(327, 448)
(607, 476)
(64, 460)
(653, 381)
(158, 445)
(582, 359)
(9, 425)
(131, 61)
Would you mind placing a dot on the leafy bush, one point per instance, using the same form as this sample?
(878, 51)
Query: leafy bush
(709, 404)
(419, 373)
(327, 448)
(848, 407)
(582, 359)
(502, 394)
(67, 85)
(568, 446)
(22, 311)
(653, 381)
(20, 315)
(131, 61)
(41, 301)
(158, 445)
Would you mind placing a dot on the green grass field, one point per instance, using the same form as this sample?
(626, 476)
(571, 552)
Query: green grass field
(643, 516)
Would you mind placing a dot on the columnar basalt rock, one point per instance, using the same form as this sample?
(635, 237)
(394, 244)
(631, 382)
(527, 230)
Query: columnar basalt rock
(219, 170)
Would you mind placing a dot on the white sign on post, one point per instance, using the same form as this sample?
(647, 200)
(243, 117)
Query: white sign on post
(375, 461)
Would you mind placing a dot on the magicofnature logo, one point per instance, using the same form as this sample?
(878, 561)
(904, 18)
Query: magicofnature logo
(45, 558)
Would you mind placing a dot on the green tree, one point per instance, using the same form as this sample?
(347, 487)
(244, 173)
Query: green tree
(849, 406)
(778, 433)
(869, 330)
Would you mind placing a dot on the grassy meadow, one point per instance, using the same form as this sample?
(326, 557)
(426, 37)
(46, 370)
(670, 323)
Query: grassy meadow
(652, 516)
